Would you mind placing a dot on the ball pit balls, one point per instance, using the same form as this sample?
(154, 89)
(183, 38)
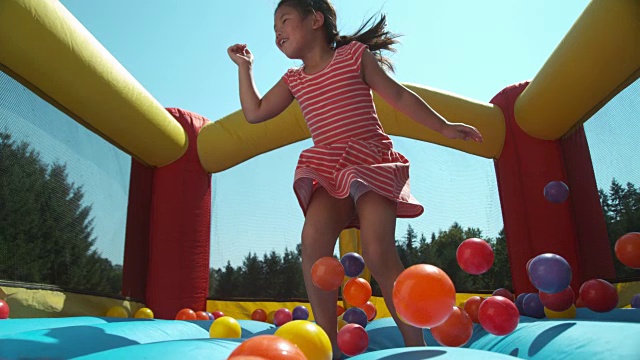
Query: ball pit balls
(558, 302)
(355, 315)
(269, 347)
(627, 250)
(186, 314)
(599, 295)
(498, 316)
(300, 312)
(475, 256)
(309, 337)
(225, 327)
(353, 339)
(327, 273)
(143, 313)
(635, 303)
(4, 310)
(455, 331)
(504, 293)
(259, 315)
(118, 312)
(556, 192)
(357, 291)
(353, 264)
(217, 314)
(550, 273)
(471, 307)
(282, 316)
(532, 306)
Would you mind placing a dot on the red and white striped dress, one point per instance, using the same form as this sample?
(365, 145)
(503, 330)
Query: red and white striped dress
(349, 142)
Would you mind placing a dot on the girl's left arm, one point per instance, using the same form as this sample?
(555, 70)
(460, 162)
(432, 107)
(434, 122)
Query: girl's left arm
(410, 103)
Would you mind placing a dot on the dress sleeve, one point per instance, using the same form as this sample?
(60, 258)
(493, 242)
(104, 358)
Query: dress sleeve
(357, 49)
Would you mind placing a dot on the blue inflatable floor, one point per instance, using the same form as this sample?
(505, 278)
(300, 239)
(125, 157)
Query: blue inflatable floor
(613, 335)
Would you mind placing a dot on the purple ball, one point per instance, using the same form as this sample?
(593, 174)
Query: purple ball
(519, 301)
(532, 306)
(210, 315)
(355, 315)
(635, 301)
(353, 264)
(550, 273)
(556, 192)
(300, 313)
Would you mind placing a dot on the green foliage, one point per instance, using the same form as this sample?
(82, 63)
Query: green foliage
(45, 230)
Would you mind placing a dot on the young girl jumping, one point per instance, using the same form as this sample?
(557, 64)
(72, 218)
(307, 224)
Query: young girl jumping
(351, 176)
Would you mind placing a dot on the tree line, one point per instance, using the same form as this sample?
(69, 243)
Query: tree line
(46, 236)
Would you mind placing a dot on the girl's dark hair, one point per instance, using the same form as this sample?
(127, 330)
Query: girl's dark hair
(376, 36)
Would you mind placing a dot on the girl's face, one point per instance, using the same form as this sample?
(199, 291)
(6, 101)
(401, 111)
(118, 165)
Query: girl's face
(292, 31)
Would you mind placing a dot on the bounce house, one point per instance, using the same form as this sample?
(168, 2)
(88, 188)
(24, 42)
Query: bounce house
(533, 132)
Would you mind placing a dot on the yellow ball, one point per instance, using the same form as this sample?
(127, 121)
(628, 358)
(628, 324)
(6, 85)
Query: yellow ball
(567, 314)
(117, 311)
(341, 324)
(270, 316)
(143, 313)
(225, 327)
(309, 337)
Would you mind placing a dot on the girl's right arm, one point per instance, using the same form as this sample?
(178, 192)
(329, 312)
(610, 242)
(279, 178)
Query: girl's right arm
(255, 108)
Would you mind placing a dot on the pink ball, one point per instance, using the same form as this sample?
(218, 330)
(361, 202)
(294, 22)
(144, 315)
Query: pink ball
(282, 316)
(475, 256)
(217, 314)
(353, 339)
(599, 295)
(498, 315)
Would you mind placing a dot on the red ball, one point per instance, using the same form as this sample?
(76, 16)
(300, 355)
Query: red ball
(282, 317)
(268, 347)
(504, 293)
(369, 309)
(498, 315)
(424, 295)
(599, 295)
(217, 314)
(259, 315)
(186, 314)
(475, 256)
(339, 310)
(4, 310)
(471, 307)
(455, 331)
(202, 315)
(627, 250)
(327, 273)
(559, 301)
(357, 291)
(353, 339)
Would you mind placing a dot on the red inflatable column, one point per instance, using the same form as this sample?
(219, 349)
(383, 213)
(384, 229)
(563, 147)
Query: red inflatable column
(532, 224)
(179, 233)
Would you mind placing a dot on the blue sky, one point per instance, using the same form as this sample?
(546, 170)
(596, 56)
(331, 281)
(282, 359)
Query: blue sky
(177, 50)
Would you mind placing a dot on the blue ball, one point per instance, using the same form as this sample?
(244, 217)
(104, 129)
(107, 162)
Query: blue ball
(300, 313)
(532, 306)
(635, 301)
(355, 315)
(353, 264)
(550, 273)
(519, 301)
(556, 192)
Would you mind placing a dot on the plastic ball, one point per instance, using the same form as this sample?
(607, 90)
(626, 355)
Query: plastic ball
(118, 312)
(504, 293)
(353, 264)
(259, 315)
(627, 250)
(355, 315)
(309, 337)
(353, 339)
(357, 291)
(556, 192)
(471, 307)
(558, 302)
(300, 312)
(210, 315)
(186, 314)
(475, 256)
(339, 310)
(270, 315)
(369, 309)
(202, 315)
(635, 303)
(225, 327)
(341, 323)
(570, 313)
(550, 273)
(532, 306)
(599, 295)
(143, 313)
(269, 347)
(4, 310)
(519, 301)
(498, 316)
(455, 331)
(282, 316)
(217, 314)
(327, 273)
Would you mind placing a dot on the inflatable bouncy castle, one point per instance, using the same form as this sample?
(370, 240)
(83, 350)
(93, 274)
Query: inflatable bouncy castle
(53, 68)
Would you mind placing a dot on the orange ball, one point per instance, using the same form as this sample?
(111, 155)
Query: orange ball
(455, 331)
(259, 315)
(186, 314)
(202, 315)
(327, 273)
(369, 309)
(269, 347)
(628, 249)
(424, 295)
(471, 307)
(357, 291)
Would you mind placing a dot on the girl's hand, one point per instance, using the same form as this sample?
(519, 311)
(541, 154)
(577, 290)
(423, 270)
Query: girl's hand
(240, 54)
(461, 131)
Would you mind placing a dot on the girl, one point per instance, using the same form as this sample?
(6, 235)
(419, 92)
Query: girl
(351, 177)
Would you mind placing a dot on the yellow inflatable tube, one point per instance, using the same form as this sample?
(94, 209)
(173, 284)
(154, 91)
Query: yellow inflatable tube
(231, 140)
(45, 48)
(597, 58)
